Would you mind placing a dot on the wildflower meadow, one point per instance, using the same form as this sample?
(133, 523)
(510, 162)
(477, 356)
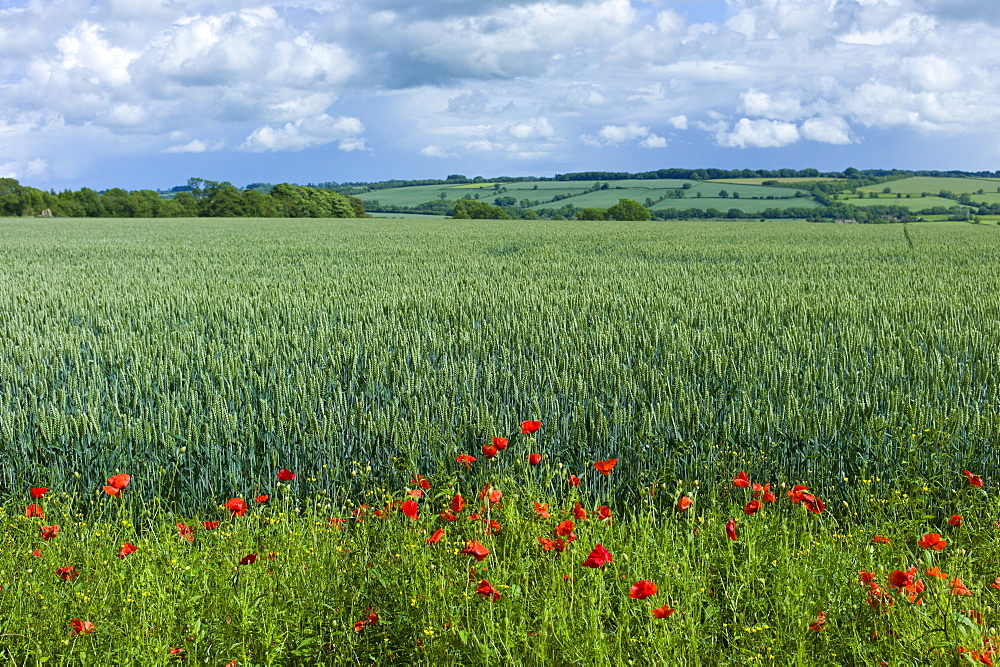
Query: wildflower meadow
(277, 442)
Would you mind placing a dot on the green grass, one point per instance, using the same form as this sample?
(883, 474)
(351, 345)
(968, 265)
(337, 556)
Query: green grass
(912, 203)
(933, 185)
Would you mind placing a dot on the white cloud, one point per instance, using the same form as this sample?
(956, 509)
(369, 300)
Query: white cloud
(653, 141)
(195, 146)
(679, 121)
(532, 129)
(306, 133)
(759, 133)
(827, 130)
(433, 150)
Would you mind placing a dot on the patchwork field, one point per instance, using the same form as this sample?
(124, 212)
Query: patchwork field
(464, 442)
(931, 185)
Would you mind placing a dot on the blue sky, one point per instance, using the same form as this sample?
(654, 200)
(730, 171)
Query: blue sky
(147, 93)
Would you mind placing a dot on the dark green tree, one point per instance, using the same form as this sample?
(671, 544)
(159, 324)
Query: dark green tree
(628, 209)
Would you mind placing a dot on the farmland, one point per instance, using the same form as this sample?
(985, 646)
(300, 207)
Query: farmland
(366, 358)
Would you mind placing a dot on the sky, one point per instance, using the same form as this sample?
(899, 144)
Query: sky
(144, 94)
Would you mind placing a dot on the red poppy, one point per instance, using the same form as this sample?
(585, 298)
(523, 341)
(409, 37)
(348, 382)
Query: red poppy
(731, 529)
(932, 541)
(67, 573)
(409, 508)
(936, 572)
(187, 532)
(759, 489)
(492, 528)
(534, 459)
(599, 557)
(974, 480)
(814, 504)
(421, 481)
(959, 588)
(500, 443)
(996, 583)
(467, 460)
(741, 480)
(448, 515)
(457, 503)
(769, 497)
(881, 539)
(370, 619)
(285, 475)
(579, 513)
(34, 511)
(799, 493)
(38, 493)
(117, 483)
(474, 516)
(529, 427)
(574, 480)
(603, 513)
(489, 451)
(752, 507)
(436, 537)
(605, 467)
(901, 579)
(237, 506)
(476, 550)
(37, 553)
(262, 499)
(819, 623)
(684, 503)
(642, 589)
(866, 577)
(494, 496)
(249, 559)
(549, 544)
(663, 612)
(82, 627)
(955, 520)
(542, 510)
(564, 528)
(176, 653)
(416, 494)
(210, 525)
(48, 532)
(487, 591)
(126, 550)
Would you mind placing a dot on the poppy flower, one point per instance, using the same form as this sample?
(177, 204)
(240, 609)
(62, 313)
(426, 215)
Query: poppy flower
(262, 499)
(409, 508)
(642, 589)
(474, 516)
(549, 544)
(741, 480)
(683, 503)
(467, 460)
(489, 451)
(599, 557)
(67, 573)
(500, 443)
(579, 513)
(881, 539)
(492, 528)
(542, 510)
(936, 572)
(752, 507)
(663, 612)
(38, 493)
(603, 513)
(422, 482)
(932, 541)
(605, 467)
(731, 529)
(529, 427)
(34, 511)
(494, 496)
(819, 623)
(370, 619)
(285, 475)
(187, 532)
(759, 489)
(117, 483)
(237, 506)
(574, 480)
(37, 553)
(82, 627)
(176, 653)
(865, 577)
(974, 480)
(249, 559)
(457, 503)
(487, 591)
(814, 504)
(901, 579)
(448, 515)
(48, 532)
(769, 497)
(564, 528)
(436, 537)
(476, 550)
(996, 583)
(126, 549)
(959, 588)
(955, 520)
(534, 459)
(416, 494)
(210, 525)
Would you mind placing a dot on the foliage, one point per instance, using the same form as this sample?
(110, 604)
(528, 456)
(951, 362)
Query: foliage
(628, 209)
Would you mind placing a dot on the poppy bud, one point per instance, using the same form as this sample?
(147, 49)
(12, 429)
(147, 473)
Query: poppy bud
(534, 459)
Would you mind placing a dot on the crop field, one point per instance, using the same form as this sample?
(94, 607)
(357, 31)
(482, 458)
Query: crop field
(912, 203)
(470, 442)
(743, 203)
(788, 179)
(933, 185)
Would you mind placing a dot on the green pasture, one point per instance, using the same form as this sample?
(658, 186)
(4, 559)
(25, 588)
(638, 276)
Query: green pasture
(912, 203)
(713, 188)
(743, 204)
(933, 185)
(202, 354)
(761, 181)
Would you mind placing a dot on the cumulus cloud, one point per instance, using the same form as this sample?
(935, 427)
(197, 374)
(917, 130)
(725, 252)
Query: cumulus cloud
(195, 146)
(307, 133)
(827, 130)
(759, 133)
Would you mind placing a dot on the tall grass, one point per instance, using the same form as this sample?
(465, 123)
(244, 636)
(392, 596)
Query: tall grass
(201, 355)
